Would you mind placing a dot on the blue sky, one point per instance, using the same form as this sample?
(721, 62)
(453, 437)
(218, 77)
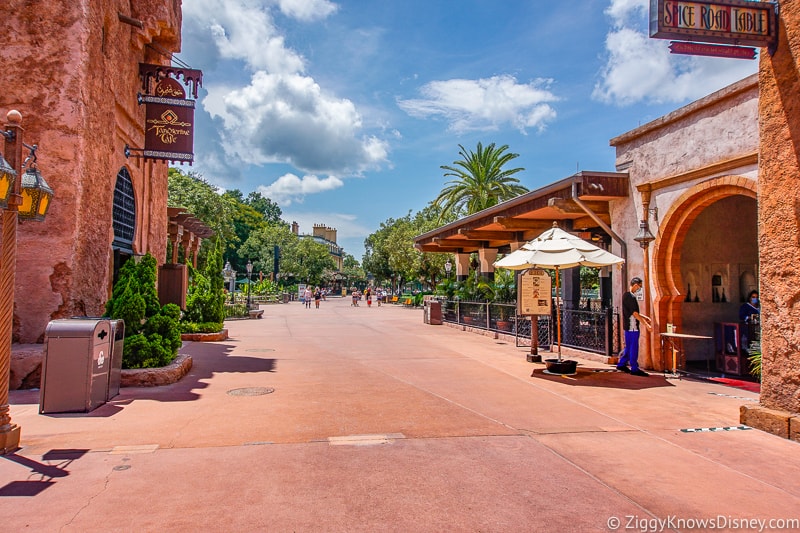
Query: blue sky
(343, 111)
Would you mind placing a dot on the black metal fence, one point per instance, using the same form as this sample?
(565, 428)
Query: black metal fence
(590, 329)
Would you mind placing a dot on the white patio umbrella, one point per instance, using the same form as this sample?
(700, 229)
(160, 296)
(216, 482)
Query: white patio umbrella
(556, 249)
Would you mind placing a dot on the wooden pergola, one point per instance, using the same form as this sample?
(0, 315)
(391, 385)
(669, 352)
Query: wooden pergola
(579, 203)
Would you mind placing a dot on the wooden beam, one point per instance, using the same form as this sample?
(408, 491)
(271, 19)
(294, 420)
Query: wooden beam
(523, 224)
(588, 222)
(569, 207)
(482, 235)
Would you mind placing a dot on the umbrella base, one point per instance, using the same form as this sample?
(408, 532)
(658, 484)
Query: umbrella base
(564, 366)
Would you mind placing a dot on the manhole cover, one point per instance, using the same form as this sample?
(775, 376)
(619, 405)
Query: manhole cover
(260, 350)
(251, 391)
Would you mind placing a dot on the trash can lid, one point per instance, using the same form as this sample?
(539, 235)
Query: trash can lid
(79, 327)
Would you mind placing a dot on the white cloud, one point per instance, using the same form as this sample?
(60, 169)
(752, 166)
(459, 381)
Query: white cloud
(641, 69)
(290, 189)
(282, 115)
(307, 9)
(242, 30)
(486, 103)
(281, 118)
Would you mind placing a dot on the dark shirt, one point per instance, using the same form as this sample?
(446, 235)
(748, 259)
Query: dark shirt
(746, 311)
(630, 305)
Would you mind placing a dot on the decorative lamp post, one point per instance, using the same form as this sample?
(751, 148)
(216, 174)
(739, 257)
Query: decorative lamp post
(229, 275)
(249, 272)
(448, 267)
(644, 238)
(36, 193)
(23, 195)
(7, 178)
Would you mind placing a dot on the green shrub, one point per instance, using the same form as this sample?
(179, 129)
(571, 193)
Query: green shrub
(152, 333)
(202, 327)
(205, 302)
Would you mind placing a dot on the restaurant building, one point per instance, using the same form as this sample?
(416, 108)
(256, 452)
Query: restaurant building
(73, 71)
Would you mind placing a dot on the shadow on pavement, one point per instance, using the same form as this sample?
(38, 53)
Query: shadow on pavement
(587, 377)
(45, 472)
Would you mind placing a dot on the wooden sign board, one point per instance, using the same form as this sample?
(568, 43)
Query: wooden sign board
(534, 293)
(712, 50)
(734, 22)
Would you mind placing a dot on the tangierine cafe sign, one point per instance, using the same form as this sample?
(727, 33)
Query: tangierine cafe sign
(727, 22)
(169, 114)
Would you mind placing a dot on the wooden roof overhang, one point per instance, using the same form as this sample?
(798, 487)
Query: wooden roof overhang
(525, 217)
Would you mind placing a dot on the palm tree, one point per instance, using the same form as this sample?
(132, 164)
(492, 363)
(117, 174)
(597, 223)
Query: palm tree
(479, 180)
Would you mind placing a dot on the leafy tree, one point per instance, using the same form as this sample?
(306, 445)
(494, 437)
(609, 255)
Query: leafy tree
(259, 249)
(312, 259)
(479, 180)
(352, 270)
(266, 207)
(199, 197)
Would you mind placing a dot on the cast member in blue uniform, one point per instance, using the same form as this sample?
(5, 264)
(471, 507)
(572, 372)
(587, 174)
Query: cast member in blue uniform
(631, 321)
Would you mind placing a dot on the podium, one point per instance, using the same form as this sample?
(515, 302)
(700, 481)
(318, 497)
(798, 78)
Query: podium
(730, 355)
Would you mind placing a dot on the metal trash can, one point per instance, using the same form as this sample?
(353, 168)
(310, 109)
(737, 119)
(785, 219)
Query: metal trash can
(117, 347)
(435, 313)
(286, 297)
(75, 368)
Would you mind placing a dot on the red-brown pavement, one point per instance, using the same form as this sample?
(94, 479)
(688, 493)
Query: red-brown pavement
(378, 422)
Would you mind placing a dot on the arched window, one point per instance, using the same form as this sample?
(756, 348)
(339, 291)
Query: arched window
(124, 213)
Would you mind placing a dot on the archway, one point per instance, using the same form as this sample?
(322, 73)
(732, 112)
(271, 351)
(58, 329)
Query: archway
(688, 253)
(123, 220)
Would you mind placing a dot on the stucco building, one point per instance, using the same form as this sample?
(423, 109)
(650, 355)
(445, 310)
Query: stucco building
(72, 70)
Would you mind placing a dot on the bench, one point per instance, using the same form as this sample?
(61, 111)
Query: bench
(256, 313)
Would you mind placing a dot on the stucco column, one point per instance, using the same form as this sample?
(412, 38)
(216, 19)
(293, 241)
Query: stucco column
(462, 266)
(487, 257)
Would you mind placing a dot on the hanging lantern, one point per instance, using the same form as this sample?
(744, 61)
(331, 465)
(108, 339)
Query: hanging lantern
(7, 176)
(36, 195)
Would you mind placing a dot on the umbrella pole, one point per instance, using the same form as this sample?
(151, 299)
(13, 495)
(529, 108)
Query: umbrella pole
(558, 314)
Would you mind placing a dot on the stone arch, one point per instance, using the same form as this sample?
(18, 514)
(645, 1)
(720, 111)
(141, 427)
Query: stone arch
(666, 273)
(123, 215)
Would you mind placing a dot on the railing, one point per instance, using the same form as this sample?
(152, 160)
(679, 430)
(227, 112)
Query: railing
(592, 331)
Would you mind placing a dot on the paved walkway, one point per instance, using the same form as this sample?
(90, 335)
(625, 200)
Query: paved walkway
(377, 422)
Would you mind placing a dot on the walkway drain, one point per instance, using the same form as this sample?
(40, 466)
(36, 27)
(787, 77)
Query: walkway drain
(251, 391)
(260, 350)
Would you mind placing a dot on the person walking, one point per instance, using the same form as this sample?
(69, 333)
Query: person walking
(307, 295)
(631, 321)
(317, 297)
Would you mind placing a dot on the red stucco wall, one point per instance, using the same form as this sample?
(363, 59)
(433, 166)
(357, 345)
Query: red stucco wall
(779, 215)
(71, 69)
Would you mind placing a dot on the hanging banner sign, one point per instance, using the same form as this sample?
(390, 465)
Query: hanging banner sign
(734, 22)
(169, 129)
(169, 115)
(534, 293)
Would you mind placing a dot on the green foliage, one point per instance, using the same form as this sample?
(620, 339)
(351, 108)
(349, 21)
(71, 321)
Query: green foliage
(134, 296)
(754, 357)
(205, 301)
(199, 197)
(205, 327)
(152, 335)
(479, 180)
(390, 252)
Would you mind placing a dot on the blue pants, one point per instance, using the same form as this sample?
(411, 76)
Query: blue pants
(631, 352)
